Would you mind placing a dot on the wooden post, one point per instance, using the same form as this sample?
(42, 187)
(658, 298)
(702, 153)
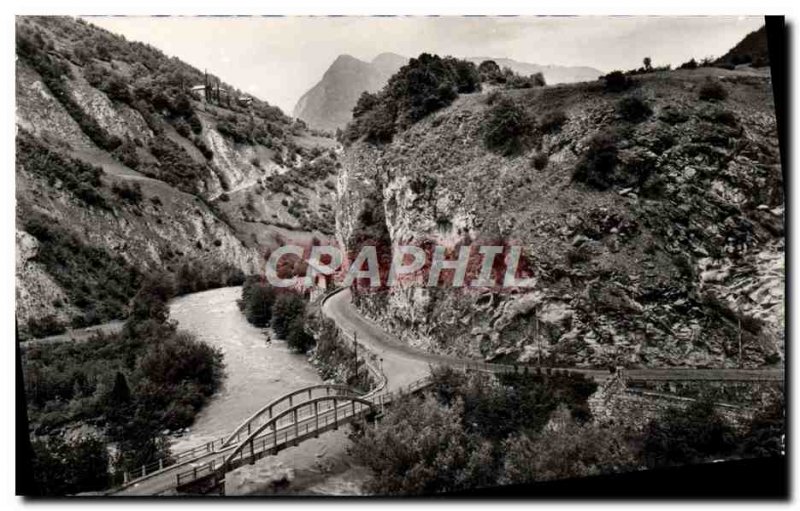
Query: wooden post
(144, 470)
(296, 425)
(335, 419)
(161, 463)
(274, 435)
(316, 415)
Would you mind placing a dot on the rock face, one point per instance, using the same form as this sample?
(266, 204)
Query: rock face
(683, 266)
(329, 104)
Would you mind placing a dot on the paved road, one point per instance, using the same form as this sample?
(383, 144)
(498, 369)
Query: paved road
(403, 363)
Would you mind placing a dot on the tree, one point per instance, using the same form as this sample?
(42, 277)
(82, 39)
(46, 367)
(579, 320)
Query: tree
(490, 72)
(69, 467)
(695, 434)
(422, 448)
(565, 449)
(647, 64)
(259, 303)
(298, 339)
(287, 307)
(151, 300)
(120, 392)
(507, 127)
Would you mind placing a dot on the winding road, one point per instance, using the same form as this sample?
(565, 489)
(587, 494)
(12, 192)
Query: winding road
(402, 367)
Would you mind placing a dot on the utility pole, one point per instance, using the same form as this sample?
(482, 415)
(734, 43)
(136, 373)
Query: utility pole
(355, 357)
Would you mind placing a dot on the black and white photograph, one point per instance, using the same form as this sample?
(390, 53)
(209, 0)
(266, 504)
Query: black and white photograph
(453, 256)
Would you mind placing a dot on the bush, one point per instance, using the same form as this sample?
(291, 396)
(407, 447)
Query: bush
(693, 435)
(712, 90)
(79, 178)
(298, 339)
(45, 326)
(691, 64)
(288, 306)
(131, 193)
(616, 81)
(551, 122)
(426, 84)
(507, 128)
(633, 109)
(597, 165)
(539, 160)
(257, 301)
(489, 71)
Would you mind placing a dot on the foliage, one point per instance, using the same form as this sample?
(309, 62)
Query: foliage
(175, 166)
(96, 282)
(765, 435)
(539, 160)
(616, 81)
(566, 449)
(131, 193)
(288, 306)
(552, 121)
(32, 48)
(508, 127)
(695, 434)
(298, 339)
(712, 90)
(426, 84)
(633, 109)
(77, 177)
(45, 326)
(490, 72)
(257, 300)
(422, 448)
(62, 467)
(597, 164)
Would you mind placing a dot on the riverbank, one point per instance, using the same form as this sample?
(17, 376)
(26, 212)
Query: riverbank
(258, 371)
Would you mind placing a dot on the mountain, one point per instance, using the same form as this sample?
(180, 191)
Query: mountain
(552, 74)
(329, 104)
(752, 49)
(127, 164)
(651, 220)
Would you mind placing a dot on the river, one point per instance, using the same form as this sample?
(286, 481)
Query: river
(257, 372)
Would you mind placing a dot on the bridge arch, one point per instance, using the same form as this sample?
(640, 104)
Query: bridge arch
(273, 422)
(247, 424)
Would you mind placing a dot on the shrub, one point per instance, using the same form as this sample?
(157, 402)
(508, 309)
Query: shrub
(79, 178)
(507, 128)
(598, 162)
(131, 193)
(552, 121)
(633, 109)
(287, 307)
(691, 64)
(489, 71)
(616, 81)
(426, 84)
(45, 326)
(693, 435)
(539, 160)
(298, 339)
(712, 90)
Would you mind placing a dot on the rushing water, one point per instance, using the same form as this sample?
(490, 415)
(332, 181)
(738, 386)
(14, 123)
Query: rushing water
(257, 372)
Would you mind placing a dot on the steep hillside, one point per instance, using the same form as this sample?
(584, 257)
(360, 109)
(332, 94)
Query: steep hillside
(329, 104)
(753, 49)
(652, 221)
(127, 163)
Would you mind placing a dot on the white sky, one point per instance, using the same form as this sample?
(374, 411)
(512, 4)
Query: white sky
(279, 58)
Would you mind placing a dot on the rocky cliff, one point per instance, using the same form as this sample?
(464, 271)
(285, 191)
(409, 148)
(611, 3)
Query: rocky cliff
(678, 260)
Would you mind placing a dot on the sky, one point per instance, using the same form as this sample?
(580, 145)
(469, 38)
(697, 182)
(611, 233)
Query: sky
(277, 59)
